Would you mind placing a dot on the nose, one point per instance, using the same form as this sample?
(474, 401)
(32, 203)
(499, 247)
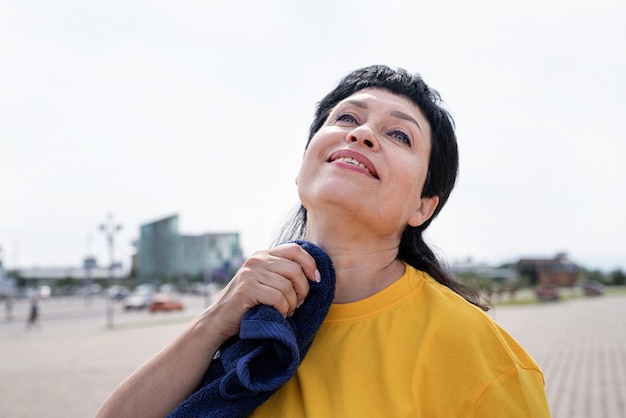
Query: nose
(363, 135)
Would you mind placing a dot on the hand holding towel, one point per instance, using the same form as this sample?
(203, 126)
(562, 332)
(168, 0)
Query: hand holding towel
(250, 367)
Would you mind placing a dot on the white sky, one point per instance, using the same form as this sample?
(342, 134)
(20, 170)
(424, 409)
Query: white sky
(201, 108)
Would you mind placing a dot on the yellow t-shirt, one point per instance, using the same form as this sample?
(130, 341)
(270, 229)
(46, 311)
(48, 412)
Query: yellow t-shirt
(415, 349)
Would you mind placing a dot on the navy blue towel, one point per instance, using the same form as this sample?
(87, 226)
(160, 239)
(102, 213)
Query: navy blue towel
(250, 367)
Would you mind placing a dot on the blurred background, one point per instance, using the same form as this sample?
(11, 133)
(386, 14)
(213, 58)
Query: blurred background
(157, 143)
(144, 110)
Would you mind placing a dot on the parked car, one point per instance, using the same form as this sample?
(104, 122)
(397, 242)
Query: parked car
(592, 288)
(165, 303)
(139, 299)
(118, 292)
(547, 292)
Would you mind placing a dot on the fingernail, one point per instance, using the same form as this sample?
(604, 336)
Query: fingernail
(300, 303)
(318, 276)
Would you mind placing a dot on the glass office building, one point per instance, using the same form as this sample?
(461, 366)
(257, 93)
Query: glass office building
(163, 254)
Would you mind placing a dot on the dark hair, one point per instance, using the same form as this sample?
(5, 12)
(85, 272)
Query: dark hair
(442, 168)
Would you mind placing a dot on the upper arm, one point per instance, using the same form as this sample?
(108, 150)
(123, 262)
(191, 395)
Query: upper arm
(518, 393)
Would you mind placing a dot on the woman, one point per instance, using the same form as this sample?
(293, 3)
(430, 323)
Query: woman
(401, 338)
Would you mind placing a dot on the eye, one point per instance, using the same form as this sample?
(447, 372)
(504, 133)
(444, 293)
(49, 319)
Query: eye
(346, 117)
(400, 136)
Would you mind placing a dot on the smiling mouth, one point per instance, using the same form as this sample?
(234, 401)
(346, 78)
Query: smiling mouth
(352, 161)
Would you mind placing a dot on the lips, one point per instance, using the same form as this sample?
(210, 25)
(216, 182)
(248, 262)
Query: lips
(358, 160)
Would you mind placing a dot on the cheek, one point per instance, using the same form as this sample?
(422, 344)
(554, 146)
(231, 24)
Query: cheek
(306, 174)
(312, 158)
(305, 167)
(411, 182)
(420, 170)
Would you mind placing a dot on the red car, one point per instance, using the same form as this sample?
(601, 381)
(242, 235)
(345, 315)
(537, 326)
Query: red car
(165, 303)
(547, 292)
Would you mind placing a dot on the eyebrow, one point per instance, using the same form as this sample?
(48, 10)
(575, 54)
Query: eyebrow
(394, 113)
(404, 116)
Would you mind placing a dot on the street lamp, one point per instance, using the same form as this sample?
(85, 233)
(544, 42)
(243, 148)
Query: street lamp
(110, 229)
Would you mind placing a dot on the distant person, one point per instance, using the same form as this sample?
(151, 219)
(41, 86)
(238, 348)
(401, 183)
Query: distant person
(33, 314)
(8, 308)
(401, 338)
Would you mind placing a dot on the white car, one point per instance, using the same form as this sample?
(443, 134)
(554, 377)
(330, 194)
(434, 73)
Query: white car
(139, 299)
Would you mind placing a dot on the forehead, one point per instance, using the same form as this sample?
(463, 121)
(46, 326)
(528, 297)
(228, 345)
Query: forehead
(387, 102)
(383, 98)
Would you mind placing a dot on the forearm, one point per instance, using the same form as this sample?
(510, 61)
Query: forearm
(157, 387)
(269, 277)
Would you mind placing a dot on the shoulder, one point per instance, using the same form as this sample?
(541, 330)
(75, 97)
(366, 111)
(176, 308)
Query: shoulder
(459, 325)
(491, 369)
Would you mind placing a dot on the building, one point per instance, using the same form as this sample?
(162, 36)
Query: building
(557, 271)
(64, 280)
(50, 275)
(500, 275)
(158, 250)
(165, 255)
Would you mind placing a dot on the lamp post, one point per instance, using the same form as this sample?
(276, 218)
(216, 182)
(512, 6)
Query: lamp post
(110, 228)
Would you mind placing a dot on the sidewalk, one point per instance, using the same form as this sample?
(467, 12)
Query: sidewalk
(68, 367)
(581, 347)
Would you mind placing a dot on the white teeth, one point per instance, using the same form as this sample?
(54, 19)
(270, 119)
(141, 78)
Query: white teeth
(352, 161)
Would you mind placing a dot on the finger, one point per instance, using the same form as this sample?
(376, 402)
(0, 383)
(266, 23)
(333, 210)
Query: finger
(299, 255)
(286, 283)
(305, 267)
(281, 274)
(252, 288)
(281, 268)
(281, 298)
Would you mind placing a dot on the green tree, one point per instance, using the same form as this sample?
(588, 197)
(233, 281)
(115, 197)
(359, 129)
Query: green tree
(594, 275)
(618, 278)
(68, 282)
(476, 281)
(20, 281)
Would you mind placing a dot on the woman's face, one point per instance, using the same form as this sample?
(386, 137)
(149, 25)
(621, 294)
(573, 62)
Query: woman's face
(370, 157)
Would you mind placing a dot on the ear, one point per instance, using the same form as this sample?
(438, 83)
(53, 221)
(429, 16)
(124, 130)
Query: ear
(424, 211)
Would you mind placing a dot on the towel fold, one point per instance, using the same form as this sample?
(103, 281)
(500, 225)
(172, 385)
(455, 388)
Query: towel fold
(251, 366)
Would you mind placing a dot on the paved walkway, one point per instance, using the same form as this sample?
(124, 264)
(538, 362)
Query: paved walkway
(69, 366)
(581, 347)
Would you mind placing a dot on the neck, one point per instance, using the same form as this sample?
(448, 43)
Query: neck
(364, 263)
